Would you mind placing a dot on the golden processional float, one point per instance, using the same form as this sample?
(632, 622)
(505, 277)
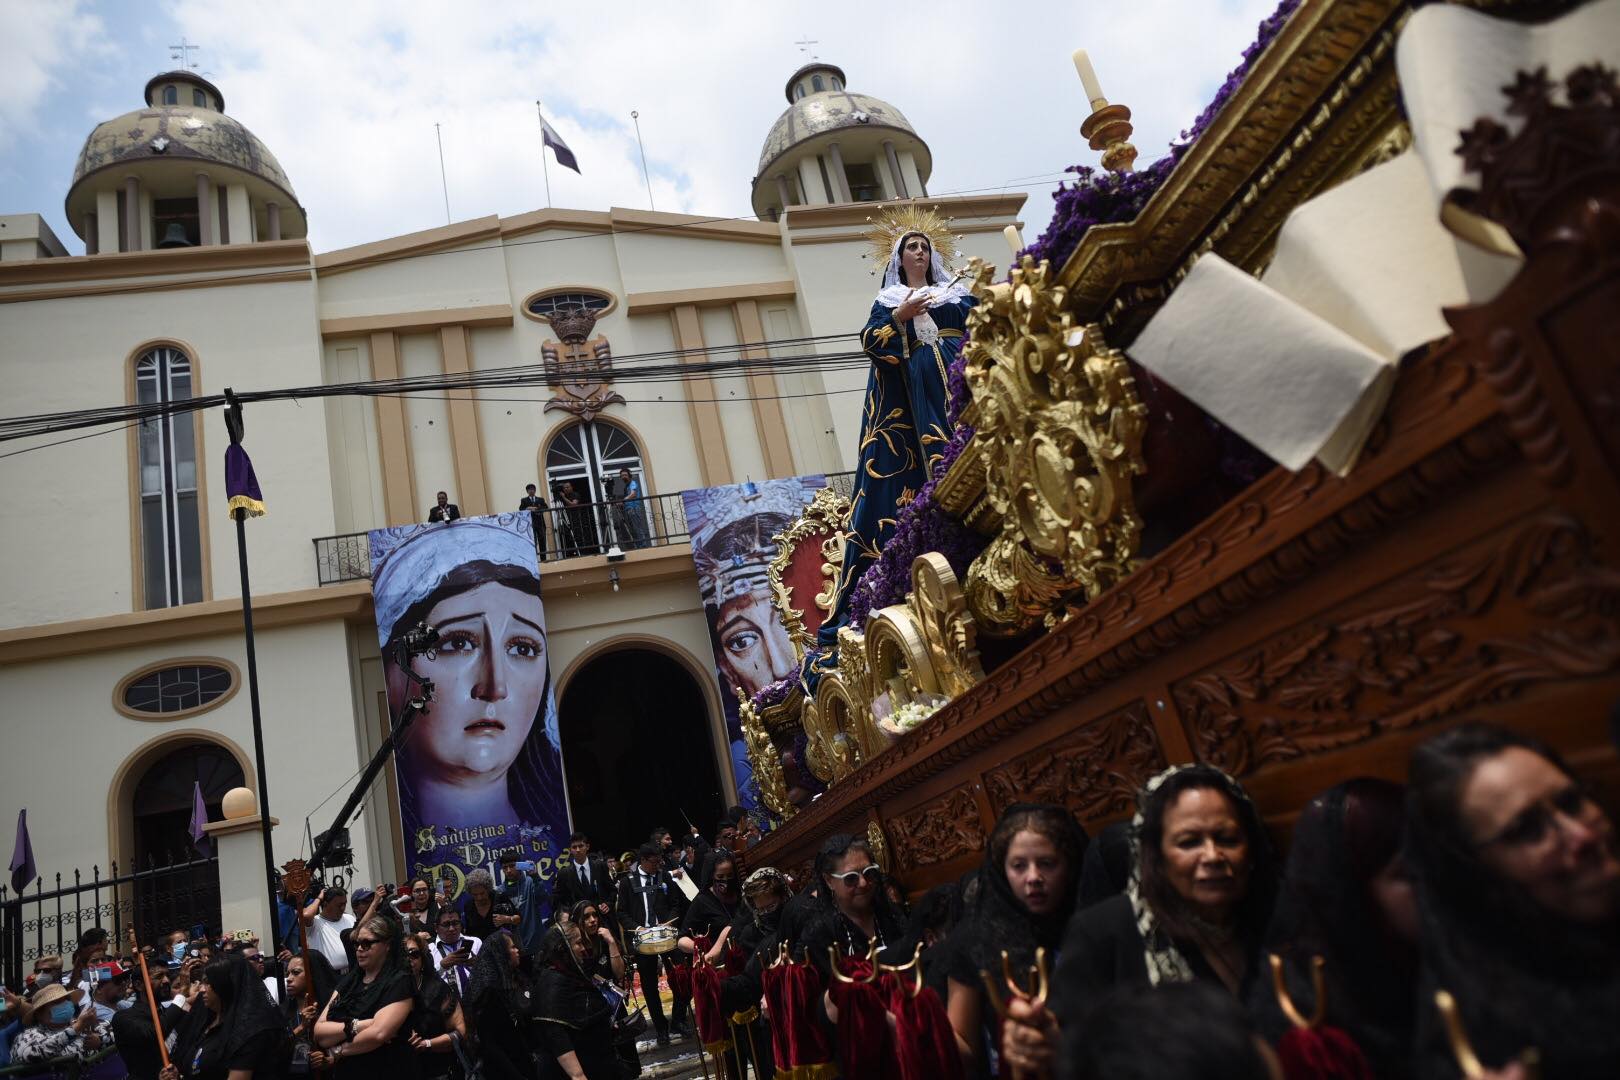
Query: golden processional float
(1389, 259)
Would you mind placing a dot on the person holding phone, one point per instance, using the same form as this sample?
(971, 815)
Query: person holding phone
(454, 950)
(53, 1027)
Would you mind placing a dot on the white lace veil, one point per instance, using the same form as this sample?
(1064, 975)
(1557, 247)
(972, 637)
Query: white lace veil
(895, 290)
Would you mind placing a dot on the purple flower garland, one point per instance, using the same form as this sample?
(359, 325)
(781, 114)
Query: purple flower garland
(1095, 198)
(773, 694)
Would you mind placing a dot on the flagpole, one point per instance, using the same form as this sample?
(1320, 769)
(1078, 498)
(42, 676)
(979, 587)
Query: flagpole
(636, 117)
(444, 181)
(543, 166)
(240, 513)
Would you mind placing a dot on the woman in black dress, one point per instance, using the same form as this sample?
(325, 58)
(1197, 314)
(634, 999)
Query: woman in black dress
(243, 1037)
(366, 1024)
(436, 1022)
(607, 960)
(1347, 897)
(576, 1021)
(1518, 885)
(853, 913)
(500, 1010)
(424, 917)
(485, 910)
(311, 968)
(1196, 907)
(1026, 896)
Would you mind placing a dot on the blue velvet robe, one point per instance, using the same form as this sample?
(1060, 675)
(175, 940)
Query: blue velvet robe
(903, 433)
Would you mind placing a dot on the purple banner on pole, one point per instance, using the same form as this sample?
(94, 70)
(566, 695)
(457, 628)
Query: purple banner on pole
(480, 770)
(731, 529)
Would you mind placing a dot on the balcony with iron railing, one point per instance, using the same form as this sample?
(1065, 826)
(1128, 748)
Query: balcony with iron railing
(590, 530)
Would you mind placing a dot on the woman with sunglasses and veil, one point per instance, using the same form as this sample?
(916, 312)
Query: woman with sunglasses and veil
(855, 915)
(365, 1027)
(500, 1010)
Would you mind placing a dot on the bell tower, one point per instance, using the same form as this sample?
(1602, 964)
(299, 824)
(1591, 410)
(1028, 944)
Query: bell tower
(179, 172)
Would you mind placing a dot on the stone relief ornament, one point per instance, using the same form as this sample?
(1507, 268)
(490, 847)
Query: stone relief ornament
(580, 368)
(1059, 430)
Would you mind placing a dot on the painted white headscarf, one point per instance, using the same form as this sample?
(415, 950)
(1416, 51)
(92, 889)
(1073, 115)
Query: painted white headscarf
(409, 562)
(895, 290)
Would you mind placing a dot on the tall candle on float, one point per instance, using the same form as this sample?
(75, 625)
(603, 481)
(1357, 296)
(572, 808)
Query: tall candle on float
(1088, 79)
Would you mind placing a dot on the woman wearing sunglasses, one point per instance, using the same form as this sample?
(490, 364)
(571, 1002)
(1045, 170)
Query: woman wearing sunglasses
(854, 914)
(1519, 896)
(365, 1027)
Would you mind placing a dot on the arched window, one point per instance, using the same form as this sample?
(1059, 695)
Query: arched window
(798, 90)
(837, 83)
(171, 534)
(171, 96)
(817, 84)
(590, 453)
(198, 97)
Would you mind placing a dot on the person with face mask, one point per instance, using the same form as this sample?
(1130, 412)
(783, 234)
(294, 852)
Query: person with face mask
(53, 1027)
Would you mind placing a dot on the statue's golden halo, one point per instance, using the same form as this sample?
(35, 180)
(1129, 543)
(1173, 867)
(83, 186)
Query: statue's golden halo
(897, 221)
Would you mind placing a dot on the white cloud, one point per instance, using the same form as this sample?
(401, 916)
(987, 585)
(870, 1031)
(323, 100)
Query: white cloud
(40, 45)
(346, 94)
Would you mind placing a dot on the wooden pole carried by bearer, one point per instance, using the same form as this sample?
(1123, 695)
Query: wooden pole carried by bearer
(151, 1003)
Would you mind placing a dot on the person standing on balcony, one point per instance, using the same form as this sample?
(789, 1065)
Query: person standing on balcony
(631, 520)
(444, 510)
(536, 506)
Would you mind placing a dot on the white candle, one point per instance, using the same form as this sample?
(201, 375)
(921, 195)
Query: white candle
(1014, 241)
(1088, 78)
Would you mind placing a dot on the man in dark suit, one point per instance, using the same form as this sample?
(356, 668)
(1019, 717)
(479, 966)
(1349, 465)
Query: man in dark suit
(444, 509)
(536, 506)
(584, 878)
(648, 896)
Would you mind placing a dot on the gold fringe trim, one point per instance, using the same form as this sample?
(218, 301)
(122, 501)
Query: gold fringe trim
(254, 507)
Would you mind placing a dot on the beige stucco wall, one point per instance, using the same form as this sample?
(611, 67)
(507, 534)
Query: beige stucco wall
(74, 353)
(64, 741)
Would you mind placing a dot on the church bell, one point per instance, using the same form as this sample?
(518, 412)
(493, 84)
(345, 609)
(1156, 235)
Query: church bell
(174, 236)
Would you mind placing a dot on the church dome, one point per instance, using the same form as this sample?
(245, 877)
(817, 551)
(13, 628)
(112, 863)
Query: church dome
(821, 111)
(182, 131)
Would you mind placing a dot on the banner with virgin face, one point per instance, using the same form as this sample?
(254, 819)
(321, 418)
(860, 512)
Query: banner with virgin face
(479, 770)
(731, 528)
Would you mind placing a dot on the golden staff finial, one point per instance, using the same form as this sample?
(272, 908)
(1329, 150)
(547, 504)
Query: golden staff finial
(1285, 1001)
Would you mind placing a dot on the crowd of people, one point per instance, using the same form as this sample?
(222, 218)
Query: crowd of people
(1176, 945)
(573, 523)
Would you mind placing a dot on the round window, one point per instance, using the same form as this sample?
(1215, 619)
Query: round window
(176, 689)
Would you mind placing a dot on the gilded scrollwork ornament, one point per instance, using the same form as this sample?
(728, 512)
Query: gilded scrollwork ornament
(825, 518)
(947, 628)
(765, 759)
(1059, 431)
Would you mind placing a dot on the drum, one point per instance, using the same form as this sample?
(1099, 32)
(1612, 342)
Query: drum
(656, 940)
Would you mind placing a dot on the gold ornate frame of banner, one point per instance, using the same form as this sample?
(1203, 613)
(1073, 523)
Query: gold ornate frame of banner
(820, 532)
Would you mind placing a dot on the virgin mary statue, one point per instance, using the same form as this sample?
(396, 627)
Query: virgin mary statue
(913, 334)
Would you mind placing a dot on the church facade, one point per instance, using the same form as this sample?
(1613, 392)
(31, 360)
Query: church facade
(122, 666)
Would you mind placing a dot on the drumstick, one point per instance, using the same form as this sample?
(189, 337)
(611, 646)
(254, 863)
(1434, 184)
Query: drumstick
(151, 1003)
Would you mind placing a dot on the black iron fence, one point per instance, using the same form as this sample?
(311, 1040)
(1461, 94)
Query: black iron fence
(154, 900)
(570, 532)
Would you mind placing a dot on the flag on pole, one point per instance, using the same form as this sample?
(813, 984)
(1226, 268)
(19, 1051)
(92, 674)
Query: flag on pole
(199, 818)
(23, 871)
(241, 485)
(549, 137)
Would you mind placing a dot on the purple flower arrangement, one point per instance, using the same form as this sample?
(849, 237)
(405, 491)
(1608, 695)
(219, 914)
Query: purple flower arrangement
(1095, 197)
(774, 694)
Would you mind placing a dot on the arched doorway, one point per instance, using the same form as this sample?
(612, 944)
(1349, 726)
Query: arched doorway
(160, 812)
(638, 748)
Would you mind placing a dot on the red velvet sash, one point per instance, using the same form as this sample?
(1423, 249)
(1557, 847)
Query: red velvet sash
(713, 1031)
(865, 1043)
(925, 1043)
(1322, 1053)
(801, 1045)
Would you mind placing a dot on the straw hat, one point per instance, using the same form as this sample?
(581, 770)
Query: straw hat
(43, 999)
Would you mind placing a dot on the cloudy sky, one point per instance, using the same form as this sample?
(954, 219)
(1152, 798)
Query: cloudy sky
(346, 93)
